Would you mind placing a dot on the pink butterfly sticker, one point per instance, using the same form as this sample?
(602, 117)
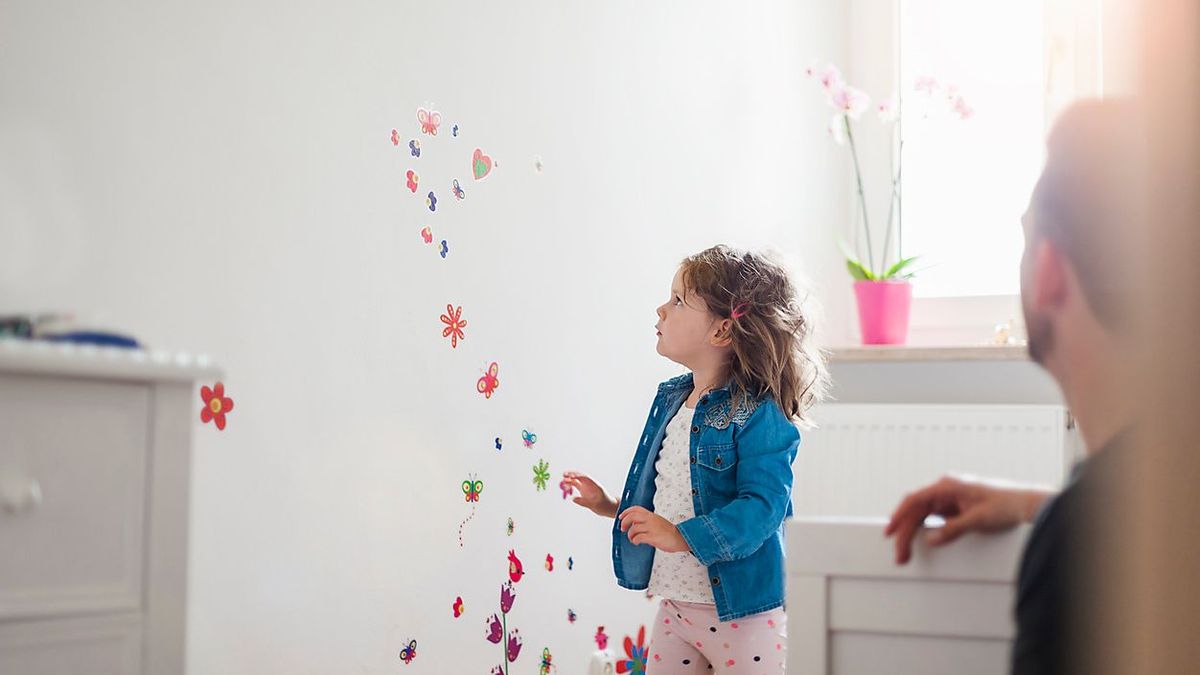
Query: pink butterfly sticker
(430, 121)
(490, 381)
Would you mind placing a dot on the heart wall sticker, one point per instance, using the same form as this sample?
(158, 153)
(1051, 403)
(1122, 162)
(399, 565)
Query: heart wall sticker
(481, 165)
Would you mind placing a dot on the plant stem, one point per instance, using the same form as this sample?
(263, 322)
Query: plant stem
(887, 239)
(504, 644)
(862, 200)
(900, 201)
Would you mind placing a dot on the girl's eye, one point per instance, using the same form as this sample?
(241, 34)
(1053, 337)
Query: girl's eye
(678, 300)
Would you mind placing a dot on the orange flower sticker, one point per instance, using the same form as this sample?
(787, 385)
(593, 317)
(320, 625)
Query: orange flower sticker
(216, 405)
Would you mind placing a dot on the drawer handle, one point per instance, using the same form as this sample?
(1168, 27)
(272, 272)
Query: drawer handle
(20, 495)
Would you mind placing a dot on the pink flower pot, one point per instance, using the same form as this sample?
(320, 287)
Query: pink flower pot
(883, 310)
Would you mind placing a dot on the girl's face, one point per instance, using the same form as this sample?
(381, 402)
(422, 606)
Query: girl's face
(688, 333)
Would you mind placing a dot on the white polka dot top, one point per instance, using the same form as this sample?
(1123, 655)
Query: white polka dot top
(677, 576)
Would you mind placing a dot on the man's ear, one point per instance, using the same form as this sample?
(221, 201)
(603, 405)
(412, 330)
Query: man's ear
(722, 334)
(1049, 277)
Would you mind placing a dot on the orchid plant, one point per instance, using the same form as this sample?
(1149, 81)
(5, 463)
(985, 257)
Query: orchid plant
(849, 103)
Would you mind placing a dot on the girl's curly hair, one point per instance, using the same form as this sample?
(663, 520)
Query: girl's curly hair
(772, 335)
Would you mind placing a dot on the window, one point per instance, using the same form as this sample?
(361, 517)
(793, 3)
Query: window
(967, 182)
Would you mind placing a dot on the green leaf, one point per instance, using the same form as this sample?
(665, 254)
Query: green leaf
(895, 270)
(858, 271)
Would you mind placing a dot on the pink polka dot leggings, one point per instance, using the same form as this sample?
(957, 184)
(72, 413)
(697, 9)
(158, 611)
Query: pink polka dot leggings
(687, 638)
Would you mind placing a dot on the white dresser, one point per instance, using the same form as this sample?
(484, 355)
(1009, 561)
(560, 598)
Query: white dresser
(853, 611)
(95, 452)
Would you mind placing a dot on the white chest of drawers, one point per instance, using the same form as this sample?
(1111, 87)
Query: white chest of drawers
(95, 451)
(853, 611)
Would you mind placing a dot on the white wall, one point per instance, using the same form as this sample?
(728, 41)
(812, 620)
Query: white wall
(218, 178)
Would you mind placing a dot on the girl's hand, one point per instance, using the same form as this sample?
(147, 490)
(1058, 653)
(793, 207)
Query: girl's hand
(592, 495)
(644, 527)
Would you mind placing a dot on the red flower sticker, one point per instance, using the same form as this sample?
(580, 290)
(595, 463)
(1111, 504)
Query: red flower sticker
(454, 325)
(216, 405)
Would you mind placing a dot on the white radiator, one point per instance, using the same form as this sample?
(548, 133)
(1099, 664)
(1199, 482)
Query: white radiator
(865, 457)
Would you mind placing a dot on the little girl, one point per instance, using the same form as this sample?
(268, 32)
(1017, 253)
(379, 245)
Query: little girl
(700, 521)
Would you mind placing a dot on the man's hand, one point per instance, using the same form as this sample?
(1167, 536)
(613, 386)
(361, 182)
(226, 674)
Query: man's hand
(966, 506)
(644, 527)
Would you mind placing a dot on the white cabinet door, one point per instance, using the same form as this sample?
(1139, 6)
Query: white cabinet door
(73, 457)
(95, 646)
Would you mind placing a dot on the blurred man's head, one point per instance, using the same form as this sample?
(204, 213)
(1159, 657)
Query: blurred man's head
(1077, 270)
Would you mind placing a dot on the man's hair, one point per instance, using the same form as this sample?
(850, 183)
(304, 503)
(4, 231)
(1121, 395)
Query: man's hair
(1087, 201)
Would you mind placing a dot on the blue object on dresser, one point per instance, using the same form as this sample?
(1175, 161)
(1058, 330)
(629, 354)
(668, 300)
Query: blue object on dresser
(85, 337)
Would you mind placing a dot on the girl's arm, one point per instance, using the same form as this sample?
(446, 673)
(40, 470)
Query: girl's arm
(766, 447)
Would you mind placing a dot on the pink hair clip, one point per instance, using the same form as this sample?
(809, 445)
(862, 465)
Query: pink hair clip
(740, 311)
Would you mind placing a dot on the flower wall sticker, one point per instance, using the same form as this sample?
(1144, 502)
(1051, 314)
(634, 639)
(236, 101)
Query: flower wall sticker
(635, 655)
(541, 474)
(454, 325)
(216, 405)
(497, 628)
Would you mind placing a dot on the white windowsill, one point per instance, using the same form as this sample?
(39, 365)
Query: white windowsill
(888, 353)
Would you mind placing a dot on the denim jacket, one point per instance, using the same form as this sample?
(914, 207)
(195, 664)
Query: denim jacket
(741, 465)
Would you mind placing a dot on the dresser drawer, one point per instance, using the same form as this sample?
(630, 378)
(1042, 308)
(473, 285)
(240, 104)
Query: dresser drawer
(95, 645)
(73, 456)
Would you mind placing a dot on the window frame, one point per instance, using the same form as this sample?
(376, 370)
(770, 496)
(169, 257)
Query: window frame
(1074, 47)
